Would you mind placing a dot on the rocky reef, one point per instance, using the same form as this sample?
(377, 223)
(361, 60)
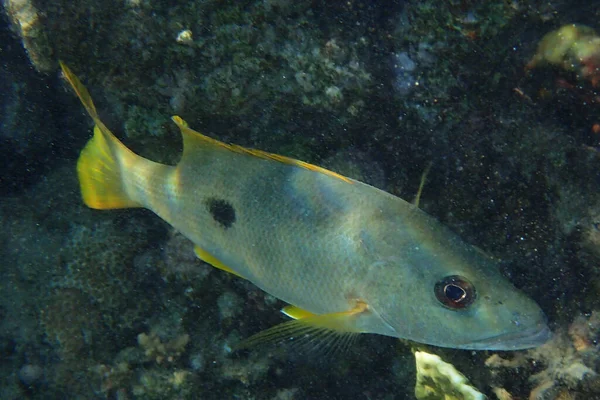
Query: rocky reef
(115, 304)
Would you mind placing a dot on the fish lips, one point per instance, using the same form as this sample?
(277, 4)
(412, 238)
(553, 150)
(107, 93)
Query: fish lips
(519, 340)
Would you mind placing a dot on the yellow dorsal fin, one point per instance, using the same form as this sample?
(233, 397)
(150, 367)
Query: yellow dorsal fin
(290, 161)
(296, 312)
(422, 185)
(192, 139)
(212, 260)
(333, 329)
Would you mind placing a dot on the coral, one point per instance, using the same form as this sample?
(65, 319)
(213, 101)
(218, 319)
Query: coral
(438, 380)
(179, 88)
(123, 379)
(152, 370)
(572, 47)
(580, 217)
(27, 22)
(180, 262)
(140, 122)
(73, 325)
(229, 305)
(73, 322)
(261, 63)
(247, 371)
(98, 261)
(112, 379)
(585, 332)
(267, 61)
(567, 361)
(501, 393)
(93, 298)
(161, 384)
(425, 37)
(155, 349)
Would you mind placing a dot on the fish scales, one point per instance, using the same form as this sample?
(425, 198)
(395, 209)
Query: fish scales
(347, 257)
(287, 223)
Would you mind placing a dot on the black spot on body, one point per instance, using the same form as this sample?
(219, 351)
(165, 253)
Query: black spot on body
(221, 211)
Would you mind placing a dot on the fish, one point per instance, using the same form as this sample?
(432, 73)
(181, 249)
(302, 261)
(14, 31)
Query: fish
(346, 257)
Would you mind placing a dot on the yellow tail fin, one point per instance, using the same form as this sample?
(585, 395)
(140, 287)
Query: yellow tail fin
(99, 167)
(99, 171)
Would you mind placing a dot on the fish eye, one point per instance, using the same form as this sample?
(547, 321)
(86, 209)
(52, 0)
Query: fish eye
(455, 292)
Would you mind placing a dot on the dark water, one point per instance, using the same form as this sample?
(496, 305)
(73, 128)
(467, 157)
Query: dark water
(114, 304)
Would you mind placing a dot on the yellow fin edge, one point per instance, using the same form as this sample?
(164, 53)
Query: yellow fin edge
(186, 130)
(296, 312)
(324, 329)
(212, 260)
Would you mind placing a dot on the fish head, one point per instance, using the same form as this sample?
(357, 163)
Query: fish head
(429, 286)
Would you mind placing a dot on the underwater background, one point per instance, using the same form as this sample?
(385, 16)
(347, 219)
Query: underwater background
(500, 98)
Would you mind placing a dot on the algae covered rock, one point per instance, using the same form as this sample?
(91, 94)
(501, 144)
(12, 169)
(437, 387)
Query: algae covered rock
(28, 23)
(438, 380)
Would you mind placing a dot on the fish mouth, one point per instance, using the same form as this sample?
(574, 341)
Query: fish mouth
(520, 340)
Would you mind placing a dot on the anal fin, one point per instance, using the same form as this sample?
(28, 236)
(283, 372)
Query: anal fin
(332, 331)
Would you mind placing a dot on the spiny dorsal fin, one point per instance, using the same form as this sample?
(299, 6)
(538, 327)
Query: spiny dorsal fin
(192, 139)
(422, 185)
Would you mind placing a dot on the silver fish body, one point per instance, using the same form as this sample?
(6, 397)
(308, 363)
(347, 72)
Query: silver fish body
(350, 258)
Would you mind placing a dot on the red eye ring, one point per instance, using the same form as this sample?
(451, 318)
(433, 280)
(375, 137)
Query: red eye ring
(455, 292)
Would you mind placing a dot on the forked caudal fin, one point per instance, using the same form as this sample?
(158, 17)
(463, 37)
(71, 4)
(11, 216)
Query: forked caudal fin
(100, 164)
